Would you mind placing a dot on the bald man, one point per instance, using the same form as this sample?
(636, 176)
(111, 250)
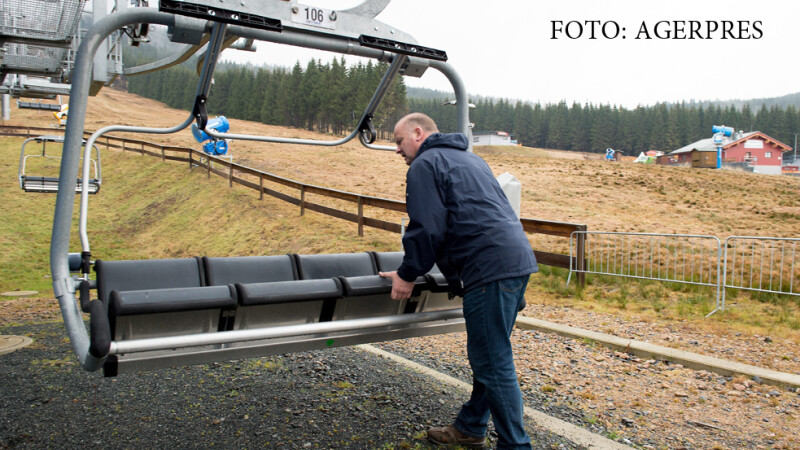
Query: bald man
(462, 221)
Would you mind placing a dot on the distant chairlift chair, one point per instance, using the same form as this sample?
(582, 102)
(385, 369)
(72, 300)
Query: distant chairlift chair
(40, 183)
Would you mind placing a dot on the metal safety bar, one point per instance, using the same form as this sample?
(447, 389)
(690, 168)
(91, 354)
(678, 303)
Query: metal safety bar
(344, 45)
(237, 336)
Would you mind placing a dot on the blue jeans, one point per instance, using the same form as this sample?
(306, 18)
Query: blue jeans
(490, 312)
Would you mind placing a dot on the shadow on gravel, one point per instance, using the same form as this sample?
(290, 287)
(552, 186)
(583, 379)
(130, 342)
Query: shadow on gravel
(340, 398)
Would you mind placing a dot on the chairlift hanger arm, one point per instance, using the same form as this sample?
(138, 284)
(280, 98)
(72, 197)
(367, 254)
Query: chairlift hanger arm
(364, 130)
(209, 64)
(63, 285)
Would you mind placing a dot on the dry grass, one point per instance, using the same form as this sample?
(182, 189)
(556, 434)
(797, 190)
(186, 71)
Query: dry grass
(560, 186)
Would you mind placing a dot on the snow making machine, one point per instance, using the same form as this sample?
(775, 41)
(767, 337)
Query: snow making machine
(154, 313)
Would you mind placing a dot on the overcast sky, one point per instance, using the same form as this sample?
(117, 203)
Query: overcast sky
(504, 48)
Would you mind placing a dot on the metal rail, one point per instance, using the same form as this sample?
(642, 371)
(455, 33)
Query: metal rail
(236, 336)
(762, 264)
(677, 258)
(759, 264)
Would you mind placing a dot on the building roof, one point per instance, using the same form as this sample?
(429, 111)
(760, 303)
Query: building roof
(490, 133)
(708, 145)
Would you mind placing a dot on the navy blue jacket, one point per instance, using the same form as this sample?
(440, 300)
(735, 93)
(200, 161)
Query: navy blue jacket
(460, 218)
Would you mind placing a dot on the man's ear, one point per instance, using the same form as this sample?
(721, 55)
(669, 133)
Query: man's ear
(418, 133)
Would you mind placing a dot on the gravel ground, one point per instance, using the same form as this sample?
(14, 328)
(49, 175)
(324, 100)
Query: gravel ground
(646, 404)
(340, 398)
(346, 398)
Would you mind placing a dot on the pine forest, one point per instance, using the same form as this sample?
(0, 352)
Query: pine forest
(331, 98)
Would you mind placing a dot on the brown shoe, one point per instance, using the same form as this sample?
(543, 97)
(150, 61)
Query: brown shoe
(451, 436)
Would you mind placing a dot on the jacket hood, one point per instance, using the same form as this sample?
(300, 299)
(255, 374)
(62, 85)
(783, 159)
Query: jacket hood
(457, 141)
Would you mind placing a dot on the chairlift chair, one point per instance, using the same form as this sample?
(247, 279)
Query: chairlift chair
(155, 313)
(49, 184)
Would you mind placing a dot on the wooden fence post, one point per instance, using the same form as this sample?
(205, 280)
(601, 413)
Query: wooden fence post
(360, 216)
(230, 175)
(141, 152)
(260, 186)
(581, 256)
(163, 156)
(302, 200)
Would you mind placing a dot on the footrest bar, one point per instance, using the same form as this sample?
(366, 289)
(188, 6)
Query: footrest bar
(230, 337)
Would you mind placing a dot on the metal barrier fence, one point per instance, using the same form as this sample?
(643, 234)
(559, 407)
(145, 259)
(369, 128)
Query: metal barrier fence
(763, 264)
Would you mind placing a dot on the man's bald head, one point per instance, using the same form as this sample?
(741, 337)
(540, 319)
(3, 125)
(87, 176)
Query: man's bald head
(419, 120)
(410, 132)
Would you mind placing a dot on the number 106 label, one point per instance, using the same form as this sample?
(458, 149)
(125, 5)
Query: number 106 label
(317, 17)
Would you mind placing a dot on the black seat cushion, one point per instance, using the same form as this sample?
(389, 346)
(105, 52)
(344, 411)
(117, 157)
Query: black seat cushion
(388, 261)
(312, 267)
(375, 285)
(249, 269)
(128, 303)
(288, 291)
(147, 274)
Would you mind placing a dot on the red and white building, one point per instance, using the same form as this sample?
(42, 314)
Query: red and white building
(755, 150)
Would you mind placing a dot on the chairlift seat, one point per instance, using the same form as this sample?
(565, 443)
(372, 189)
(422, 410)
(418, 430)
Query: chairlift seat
(161, 297)
(249, 269)
(197, 297)
(147, 274)
(288, 291)
(269, 290)
(350, 269)
(436, 295)
(314, 267)
(50, 184)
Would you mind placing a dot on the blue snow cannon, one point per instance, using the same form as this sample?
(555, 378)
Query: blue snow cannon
(215, 146)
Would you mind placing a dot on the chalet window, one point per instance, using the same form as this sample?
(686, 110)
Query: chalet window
(767, 155)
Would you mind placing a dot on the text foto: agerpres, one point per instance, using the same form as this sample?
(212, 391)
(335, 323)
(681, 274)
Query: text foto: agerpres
(663, 29)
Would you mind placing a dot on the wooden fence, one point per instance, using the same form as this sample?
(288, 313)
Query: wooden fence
(233, 173)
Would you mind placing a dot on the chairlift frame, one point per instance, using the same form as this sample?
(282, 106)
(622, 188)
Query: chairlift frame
(101, 347)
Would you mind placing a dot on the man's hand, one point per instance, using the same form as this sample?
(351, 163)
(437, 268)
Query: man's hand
(401, 289)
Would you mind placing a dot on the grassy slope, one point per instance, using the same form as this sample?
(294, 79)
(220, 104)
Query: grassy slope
(147, 209)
